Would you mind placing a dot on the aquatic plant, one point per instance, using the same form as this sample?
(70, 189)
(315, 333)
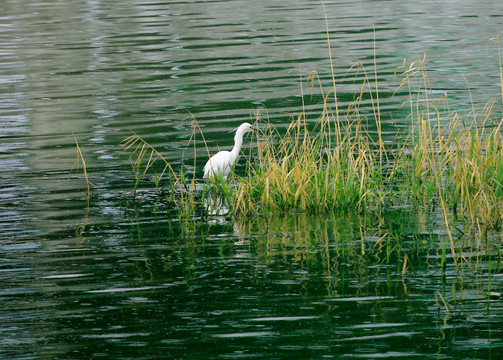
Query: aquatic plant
(454, 160)
(332, 163)
(182, 190)
(306, 170)
(82, 161)
(327, 165)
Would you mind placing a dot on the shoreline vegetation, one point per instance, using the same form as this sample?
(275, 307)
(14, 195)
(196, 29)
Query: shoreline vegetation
(332, 164)
(446, 167)
(445, 164)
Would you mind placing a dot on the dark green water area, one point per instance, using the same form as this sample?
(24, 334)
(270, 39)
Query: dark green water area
(124, 277)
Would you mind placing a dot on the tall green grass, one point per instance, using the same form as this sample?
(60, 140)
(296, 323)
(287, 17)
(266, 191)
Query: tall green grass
(325, 169)
(445, 160)
(82, 161)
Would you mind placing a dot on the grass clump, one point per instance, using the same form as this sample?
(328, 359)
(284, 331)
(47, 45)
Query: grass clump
(452, 160)
(333, 164)
(313, 170)
(445, 160)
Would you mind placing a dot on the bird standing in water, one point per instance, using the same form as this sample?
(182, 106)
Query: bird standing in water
(222, 162)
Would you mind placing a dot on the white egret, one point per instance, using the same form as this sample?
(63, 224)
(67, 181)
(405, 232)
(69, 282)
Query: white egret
(222, 162)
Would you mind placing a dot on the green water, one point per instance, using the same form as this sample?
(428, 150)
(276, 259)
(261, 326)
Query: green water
(126, 279)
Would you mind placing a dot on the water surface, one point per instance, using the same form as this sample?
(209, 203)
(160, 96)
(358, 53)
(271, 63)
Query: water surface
(125, 279)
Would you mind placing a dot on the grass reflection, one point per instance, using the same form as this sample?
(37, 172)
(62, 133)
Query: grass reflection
(364, 248)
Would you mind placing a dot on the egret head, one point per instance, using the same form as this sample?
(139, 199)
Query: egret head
(244, 128)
